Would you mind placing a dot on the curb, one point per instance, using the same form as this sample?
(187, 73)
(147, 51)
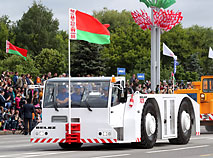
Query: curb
(17, 132)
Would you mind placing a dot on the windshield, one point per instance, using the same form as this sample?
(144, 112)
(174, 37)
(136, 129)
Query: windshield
(83, 94)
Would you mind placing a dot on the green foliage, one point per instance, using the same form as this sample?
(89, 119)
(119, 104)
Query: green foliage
(5, 34)
(37, 29)
(159, 3)
(129, 47)
(166, 73)
(113, 17)
(47, 47)
(50, 60)
(16, 63)
(86, 59)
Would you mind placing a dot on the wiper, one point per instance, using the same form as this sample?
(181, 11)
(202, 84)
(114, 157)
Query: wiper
(88, 106)
(84, 99)
(56, 106)
(54, 102)
(82, 94)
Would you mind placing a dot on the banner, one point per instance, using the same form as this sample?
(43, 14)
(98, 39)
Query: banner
(121, 71)
(168, 52)
(141, 76)
(175, 64)
(210, 53)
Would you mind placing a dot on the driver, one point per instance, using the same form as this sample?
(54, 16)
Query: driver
(63, 96)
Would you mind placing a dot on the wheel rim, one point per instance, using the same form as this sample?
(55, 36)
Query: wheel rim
(150, 124)
(185, 121)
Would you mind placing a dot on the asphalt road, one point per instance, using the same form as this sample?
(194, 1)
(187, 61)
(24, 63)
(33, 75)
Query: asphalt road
(18, 146)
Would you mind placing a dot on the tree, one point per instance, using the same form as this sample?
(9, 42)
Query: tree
(50, 60)
(113, 17)
(62, 45)
(16, 63)
(37, 29)
(130, 45)
(201, 39)
(86, 59)
(5, 34)
(194, 64)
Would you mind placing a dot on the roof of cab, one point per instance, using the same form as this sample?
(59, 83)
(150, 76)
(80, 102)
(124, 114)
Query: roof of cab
(79, 79)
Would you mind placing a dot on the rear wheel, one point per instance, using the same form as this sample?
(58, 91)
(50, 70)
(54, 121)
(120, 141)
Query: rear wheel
(209, 128)
(184, 124)
(70, 146)
(149, 126)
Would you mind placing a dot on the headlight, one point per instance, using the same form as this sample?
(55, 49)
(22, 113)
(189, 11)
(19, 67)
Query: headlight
(105, 133)
(202, 96)
(41, 133)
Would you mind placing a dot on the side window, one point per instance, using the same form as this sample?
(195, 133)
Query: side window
(49, 96)
(210, 85)
(205, 85)
(115, 99)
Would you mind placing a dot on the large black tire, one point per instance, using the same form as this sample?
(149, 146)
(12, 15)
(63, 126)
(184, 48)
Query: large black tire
(147, 140)
(70, 146)
(183, 136)
(209, 128)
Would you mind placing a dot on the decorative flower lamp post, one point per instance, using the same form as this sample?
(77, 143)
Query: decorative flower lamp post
(160, 19)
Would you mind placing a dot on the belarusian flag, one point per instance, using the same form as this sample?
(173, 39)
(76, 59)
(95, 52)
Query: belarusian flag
(85, 27)
(173, 78)
(11, 49)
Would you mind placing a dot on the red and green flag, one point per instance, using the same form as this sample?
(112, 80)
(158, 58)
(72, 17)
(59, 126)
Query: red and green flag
(11, 49)
(85, 27)
(173, 78)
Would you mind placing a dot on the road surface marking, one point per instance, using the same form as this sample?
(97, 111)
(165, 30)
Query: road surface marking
(112, 156)
(45, 154)
(192, 147)
(21, 154)
(35, 154)
(16, 138)
(206, 155)
(15, 155)
(197, 138)
(13, 146)
(19, 141)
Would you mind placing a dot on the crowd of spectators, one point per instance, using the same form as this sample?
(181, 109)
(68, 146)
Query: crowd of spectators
(165, 87)
(14, 94)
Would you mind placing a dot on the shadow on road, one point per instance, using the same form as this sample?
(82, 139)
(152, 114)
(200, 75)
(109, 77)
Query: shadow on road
(108, 147)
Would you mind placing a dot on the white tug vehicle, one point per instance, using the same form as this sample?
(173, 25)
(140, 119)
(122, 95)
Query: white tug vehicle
(102, 112)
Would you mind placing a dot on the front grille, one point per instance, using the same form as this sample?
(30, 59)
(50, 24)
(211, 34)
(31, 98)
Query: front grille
(59, 119)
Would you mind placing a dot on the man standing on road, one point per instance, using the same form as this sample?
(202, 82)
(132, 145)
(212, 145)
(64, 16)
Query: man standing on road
(28, 109)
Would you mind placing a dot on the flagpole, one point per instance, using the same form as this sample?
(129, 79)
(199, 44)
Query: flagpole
(175, 64)
(173, 78)
(69, 108)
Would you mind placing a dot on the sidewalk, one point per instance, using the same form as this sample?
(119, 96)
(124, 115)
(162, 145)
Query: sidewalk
(10, 132)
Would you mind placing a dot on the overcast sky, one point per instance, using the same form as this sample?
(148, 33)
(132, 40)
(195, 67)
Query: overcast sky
(194, 11)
